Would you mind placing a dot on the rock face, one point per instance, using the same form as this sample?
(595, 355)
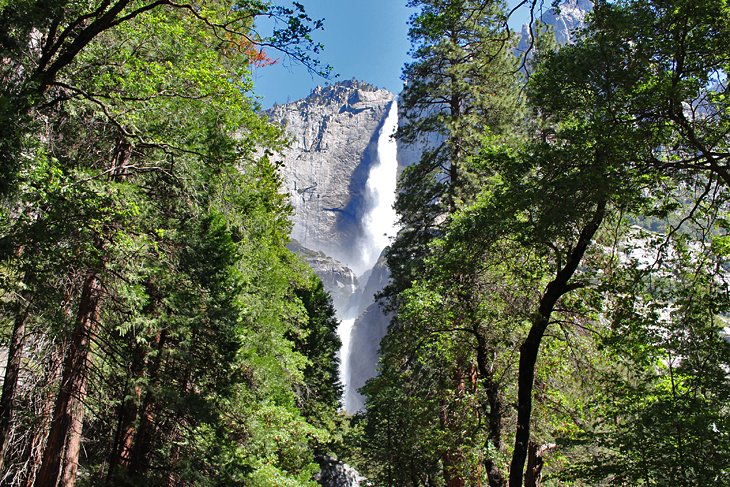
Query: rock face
(565, 21)
(569, 16)
(339, 171)
(337, 278)
(335, 132)
(334, 473)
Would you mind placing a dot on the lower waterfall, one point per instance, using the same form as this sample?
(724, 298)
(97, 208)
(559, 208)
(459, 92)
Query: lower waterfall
(344, 331)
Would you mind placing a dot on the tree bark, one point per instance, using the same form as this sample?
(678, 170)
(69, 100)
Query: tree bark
(44, 412)
(12, 371)
(494, 415)
(129, 410)
(139, 451)
(534, 466)
(535, 462)
(128, 413)
(559, 286)
(451, 459)
(61, 454)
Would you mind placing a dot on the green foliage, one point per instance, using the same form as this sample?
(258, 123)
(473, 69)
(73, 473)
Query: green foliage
(511, 241)
(662, 416)
(321, 397)
(136, 155)
(461, 86)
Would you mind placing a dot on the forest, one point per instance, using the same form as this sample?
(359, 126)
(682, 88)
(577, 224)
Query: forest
(559, 288)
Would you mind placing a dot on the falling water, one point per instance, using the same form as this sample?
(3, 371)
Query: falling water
(347, 319)
(378, 226)
(345, 332)
(379, 221)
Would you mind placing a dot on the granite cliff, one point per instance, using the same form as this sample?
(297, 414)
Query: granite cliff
(564, 20)
(334, 134)
(340, 173)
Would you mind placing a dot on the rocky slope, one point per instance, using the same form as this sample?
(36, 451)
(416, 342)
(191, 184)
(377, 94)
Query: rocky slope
(367, 331)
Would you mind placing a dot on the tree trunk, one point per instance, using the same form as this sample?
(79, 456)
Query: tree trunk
(61, 454)
(129, 410)
(138, 452)
(44, 413)
(121, 453)
(12, 371)
(451, 459)
(531, 346)
(494, 415)
(535, 462)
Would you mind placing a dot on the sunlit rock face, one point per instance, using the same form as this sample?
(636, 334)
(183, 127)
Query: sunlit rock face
(340, 173)
(335, 133)
(568, 17)
(566, 20)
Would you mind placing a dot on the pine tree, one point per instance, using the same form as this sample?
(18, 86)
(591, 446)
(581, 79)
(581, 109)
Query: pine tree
(462, 88)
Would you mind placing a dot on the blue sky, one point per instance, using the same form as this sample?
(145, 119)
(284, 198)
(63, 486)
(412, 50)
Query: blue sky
(363, 39)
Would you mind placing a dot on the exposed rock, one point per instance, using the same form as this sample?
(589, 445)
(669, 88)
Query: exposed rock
(337, 278)
(334, 132)
(335, 473)
(569, 17)
(566, 20)
(369, 330)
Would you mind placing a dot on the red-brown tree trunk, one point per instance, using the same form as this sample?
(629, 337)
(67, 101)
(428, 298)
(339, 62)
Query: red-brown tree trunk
(452, 459)
(120, 456)
(61, 454)
(44, 413)
(12, 371)
(138, 452)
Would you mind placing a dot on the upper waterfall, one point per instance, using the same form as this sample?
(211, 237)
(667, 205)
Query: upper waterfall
(379, 220)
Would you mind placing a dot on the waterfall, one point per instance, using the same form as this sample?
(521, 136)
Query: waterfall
(379, 221)
(347, 319)
(378, 226)
(345, 332)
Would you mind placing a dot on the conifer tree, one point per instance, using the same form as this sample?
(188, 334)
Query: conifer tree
(461, 88)
(128, 216)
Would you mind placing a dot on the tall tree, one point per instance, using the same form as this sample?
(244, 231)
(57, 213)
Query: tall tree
(461, 85)
(133, 169)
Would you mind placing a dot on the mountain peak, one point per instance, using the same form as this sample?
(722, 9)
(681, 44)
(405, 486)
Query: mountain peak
(565, 20)
(348, 92)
